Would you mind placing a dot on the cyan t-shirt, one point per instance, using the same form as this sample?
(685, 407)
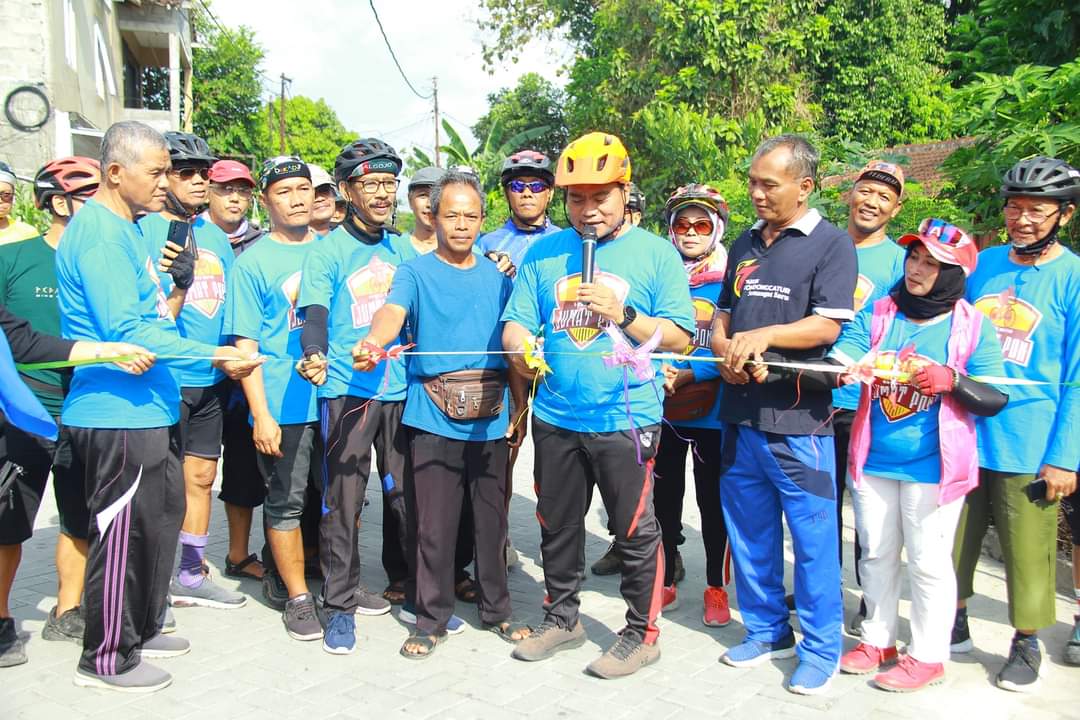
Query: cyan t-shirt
(514, 241)
(704, 299)
(262, 306)
(880, 267)
(109, 292)
(904, 425)
(581, 394)
(1036, 310)
(351, 279)
(203, 314)
(450, 309)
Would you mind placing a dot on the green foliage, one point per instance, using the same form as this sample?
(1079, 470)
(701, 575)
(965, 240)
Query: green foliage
(313, 131)
(486, 159)
(995, 36)
(515, 23)
(23, 208)
(1033, 111)
(533, 102)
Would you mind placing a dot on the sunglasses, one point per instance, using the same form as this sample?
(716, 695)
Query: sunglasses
(535, 187)
(189, 172)
(701, 226)
(944, 232)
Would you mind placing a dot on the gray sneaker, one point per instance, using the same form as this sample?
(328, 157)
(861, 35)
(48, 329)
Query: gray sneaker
(12, 647)
(301, 620)
(143, 678)
(609, 564)
(69, 626)
(369, 603)
(164, 646)
(547, 640)
(628, 655)
(206, 594)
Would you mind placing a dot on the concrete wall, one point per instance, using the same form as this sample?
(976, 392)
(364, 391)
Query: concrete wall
(24, 60)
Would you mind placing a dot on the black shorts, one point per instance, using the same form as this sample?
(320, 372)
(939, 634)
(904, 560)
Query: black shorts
(36, 455)
(1071, 508)
(241, 481)
(202, 411)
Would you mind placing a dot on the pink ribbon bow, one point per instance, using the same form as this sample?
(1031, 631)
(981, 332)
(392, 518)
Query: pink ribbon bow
(636, 358)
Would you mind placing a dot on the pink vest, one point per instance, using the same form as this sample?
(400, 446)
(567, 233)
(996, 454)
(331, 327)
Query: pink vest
(960, 454)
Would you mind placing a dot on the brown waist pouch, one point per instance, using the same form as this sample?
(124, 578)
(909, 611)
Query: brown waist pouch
(468, 394)
(692, 401)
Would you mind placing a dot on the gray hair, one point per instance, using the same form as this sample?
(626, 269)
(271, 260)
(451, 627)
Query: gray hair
(456, 177)
(125, 142)
(804, 156)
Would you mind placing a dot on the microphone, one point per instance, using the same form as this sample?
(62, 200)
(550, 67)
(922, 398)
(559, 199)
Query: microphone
(588, 253)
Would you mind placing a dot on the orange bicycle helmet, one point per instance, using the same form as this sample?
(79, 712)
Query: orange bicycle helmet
(594, 159)
(66, 176)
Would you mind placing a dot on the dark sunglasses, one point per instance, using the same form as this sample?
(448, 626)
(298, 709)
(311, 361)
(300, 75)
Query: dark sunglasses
(535, 187)
(188, 173)
(701, 227)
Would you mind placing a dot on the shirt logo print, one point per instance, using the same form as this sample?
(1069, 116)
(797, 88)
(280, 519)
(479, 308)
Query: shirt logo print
(291, 289)
(368, 288)
(207, 293)
(743, 271)
(1015, 321)
(580, 323)
(900, 401)
(703, 319)
(864, 288)
(160, 302)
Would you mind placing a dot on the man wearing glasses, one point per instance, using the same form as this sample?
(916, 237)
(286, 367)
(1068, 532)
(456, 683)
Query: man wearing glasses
(196, 260)
(231, 190)
(11, 229)
(527, 181)
(1028, 289)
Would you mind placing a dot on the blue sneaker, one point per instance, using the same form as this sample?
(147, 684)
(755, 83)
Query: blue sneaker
(340, 635)
(754, 652)
(407, 615)
(809, 680)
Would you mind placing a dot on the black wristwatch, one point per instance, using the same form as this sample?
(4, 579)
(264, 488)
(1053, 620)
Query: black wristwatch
(629, 316)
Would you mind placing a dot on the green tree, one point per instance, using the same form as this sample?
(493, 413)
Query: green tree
(486, 159)
(313, 130)
(533, 102)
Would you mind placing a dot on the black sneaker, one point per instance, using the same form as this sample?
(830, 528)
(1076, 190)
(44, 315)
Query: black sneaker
(274, 590)
(680, 569)
(1021, 670)
(69, 626)
(961, 636)
(12, 647)
(608, 564)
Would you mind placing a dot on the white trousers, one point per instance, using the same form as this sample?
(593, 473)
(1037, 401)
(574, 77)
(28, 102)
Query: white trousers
(890, 516)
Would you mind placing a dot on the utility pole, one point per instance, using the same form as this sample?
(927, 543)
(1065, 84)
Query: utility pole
(435, 95)
(281, 114)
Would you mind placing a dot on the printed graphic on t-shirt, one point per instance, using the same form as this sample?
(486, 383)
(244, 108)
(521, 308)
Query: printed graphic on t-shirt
(703, 319)
(368, 288)
(1015, 322)
(864, 288)
(580, 323)
(160, 304)
(899, 401)
(291, 289)
(207, 293)
(743, 271)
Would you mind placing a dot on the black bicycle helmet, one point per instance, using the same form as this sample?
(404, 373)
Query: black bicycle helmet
(363, 156)
(188, 149)
(527, 163)
(635, 199)
(1042, 177)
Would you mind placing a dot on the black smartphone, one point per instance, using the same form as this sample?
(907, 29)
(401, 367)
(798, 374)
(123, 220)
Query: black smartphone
(1036, 490)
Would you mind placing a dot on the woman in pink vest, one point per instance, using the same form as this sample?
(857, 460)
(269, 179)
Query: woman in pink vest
(913, 453)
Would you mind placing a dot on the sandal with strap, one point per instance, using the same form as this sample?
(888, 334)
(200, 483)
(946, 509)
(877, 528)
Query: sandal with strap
(427, 642)
(237, 570)
(395, 593)
(466, 590)
(507, 629)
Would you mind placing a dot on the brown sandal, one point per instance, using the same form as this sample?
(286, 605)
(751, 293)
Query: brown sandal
(395, 593)
(466, 590)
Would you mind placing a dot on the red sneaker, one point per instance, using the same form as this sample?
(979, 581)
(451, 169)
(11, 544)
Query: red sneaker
(865, 658)
(669, 598)
(910, 675)
(717, 612)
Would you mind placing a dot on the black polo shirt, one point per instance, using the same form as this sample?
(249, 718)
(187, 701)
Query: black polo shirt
(809, 268)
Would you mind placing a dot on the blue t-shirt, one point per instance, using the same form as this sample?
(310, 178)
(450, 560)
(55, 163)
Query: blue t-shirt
(450, 309)
(109, 291)
(351, 279)
(904, 426)
(514, 241)
(262, 307)
(880, 267)
(581, 394)
(1036, 310)
(704, 299)
(203, 314)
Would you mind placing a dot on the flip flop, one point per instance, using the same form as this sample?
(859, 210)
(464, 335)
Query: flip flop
(427, 642)
(236, 570)
(395, 593)
(507, 629)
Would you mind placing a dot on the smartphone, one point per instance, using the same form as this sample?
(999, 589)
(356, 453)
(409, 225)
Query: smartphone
(1036, 491)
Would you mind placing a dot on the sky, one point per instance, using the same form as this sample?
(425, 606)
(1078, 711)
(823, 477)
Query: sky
(336, 52)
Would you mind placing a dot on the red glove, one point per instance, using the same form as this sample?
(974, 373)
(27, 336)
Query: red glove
(934, 379)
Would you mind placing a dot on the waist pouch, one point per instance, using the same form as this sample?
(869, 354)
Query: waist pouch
(468, 394)
(692, 401)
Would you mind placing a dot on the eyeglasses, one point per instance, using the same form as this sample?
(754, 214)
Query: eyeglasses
(535, 187)
(7, 196)
(188, 173)
(701, 226)
(372, 186)
(226, 190)
(1013, 213)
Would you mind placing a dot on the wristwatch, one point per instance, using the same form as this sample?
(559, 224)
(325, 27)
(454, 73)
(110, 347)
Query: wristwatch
(629, 316)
